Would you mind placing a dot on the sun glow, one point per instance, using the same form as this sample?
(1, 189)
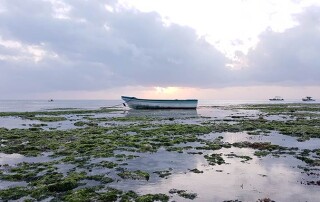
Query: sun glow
(158, 92)
(169, 93)
(166, 90)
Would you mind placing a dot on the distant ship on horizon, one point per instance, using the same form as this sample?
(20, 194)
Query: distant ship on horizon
(307, 99)
(276, 98)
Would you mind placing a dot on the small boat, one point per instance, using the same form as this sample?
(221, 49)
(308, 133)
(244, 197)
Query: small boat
(51, 100)
(307, 99)
(137, 103)
(277, 98)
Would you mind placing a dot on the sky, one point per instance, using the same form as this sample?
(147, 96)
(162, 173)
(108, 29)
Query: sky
(102, 49)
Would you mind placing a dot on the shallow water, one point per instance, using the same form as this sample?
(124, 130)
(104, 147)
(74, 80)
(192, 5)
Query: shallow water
(278, 178)
(273, 137)
(41, 105)
(271, 177)
(16, 122)
(7, 184)
(13, 159)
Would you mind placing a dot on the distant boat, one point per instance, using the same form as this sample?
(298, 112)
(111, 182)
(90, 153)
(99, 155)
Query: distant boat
(308, 98)
(137, 103)
(277, 98)
(51, 100)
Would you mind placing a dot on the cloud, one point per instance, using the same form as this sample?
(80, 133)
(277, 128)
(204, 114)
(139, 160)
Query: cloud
(291, 57)
(49, 46)
(93, 48)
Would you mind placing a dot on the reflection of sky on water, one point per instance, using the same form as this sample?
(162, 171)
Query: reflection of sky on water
(42, 105)
(109, 114)
(225, 112)
(278, 118)
(7, 184)
(211, 112)
(11, 122)
(12, 159)
(165, 113)
(275, 178)
(16, 122)
(273, 137)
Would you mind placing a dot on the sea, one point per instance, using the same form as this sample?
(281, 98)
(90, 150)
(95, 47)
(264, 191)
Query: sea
(43, 105)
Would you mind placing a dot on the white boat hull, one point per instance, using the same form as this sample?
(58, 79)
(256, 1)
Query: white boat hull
(136, 103)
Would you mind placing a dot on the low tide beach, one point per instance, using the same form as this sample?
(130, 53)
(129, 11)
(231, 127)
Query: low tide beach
(222, 151)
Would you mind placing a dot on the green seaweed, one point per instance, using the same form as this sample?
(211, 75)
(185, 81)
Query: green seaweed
(214, 159)
(152, 197)
(135, 175)
(46, 118)
(183, 193)
(261, 153)
(195, 170)
(101, 178)
(309, 161)
(245, 158)
(14, 193)
(129, 196)
(82, 123)
(163, 173)
(63, 186)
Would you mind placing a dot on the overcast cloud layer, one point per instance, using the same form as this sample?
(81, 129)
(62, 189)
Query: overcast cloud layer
(48, 46)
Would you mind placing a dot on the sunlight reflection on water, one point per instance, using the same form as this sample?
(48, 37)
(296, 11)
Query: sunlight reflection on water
(271, 177)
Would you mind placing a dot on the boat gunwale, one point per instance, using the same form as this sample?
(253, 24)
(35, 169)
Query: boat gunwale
(161, 108)
(161, 100)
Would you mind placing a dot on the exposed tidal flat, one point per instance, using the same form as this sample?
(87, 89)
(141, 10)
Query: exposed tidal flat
(247, 152)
